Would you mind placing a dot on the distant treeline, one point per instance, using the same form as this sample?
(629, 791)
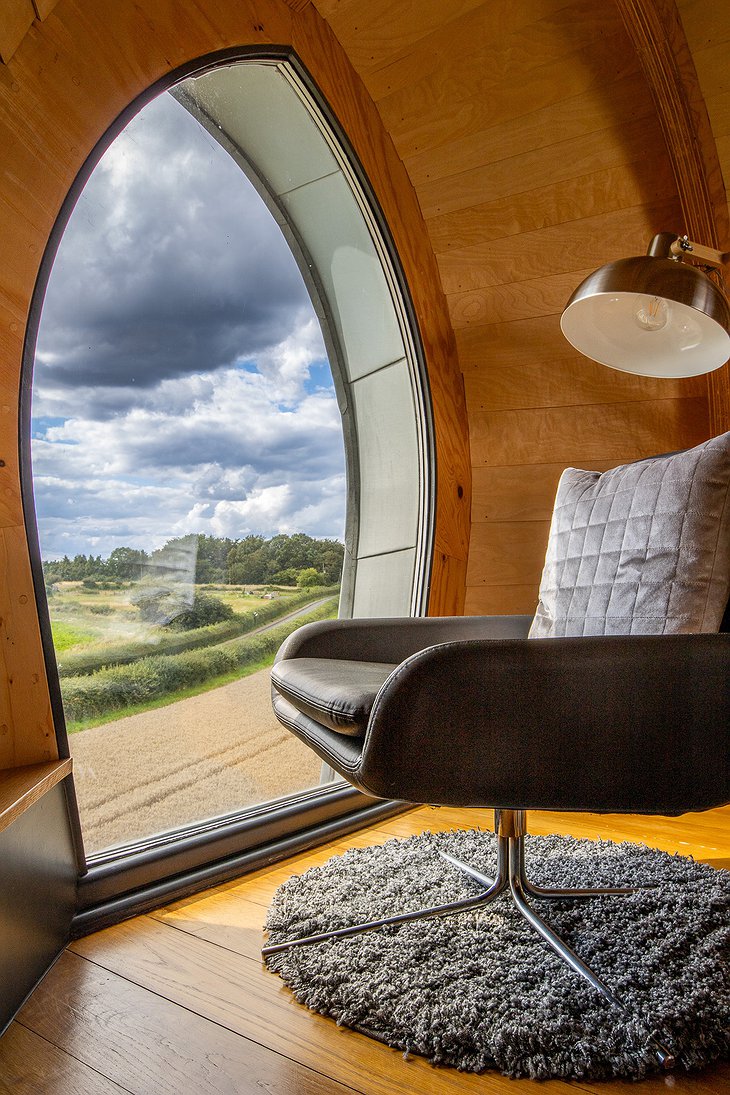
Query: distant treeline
(251, 561)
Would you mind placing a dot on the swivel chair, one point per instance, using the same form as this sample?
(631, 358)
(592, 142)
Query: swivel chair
(614, 698)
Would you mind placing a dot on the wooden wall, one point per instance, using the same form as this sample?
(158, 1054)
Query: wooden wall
(706, 27)
(531, 137)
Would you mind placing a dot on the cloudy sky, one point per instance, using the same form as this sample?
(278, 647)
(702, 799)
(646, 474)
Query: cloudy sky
(181, 383)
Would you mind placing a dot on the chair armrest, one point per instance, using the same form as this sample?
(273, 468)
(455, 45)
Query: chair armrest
(397, 638)
(629, 724)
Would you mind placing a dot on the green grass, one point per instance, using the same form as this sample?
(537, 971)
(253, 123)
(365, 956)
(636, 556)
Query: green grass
(165, 701)
(100, 697)
(66, 635)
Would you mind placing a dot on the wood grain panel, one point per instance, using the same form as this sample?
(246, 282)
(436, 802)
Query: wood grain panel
(43, 8)
(515, 301)
(448, 583)
(523, 59)
(377, 34)
(574, 435)
(16, 16)
(658, 36)
(568, 159)
(469, 106)
(577, 382)
(24, 700)
(20, 788)
(598, 109)
(515, 493)
(637, 183)
(501, 600)
(554, 250)
(508, 553)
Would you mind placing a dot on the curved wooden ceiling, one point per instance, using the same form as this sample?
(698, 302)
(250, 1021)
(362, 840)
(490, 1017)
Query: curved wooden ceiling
(515, 146)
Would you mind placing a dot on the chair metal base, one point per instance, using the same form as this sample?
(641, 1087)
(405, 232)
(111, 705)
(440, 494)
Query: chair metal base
(510, 829)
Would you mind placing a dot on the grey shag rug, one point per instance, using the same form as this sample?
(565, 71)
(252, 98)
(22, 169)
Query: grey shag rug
(480, 990)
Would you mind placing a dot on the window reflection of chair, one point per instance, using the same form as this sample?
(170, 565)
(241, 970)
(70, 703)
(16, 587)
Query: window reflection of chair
(619, 702)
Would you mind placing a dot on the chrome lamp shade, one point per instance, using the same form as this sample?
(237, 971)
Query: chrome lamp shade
(651, 315)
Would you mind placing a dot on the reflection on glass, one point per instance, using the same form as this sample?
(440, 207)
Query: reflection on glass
(189, 482)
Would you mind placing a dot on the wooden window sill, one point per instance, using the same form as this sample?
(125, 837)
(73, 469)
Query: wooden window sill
(20, 788)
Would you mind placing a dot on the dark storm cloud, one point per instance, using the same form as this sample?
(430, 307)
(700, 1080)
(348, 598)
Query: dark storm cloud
(167, 273)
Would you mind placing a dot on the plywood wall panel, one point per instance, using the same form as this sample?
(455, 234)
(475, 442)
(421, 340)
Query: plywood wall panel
(515, 300)
(379, 30)
(508, 553)
(16, 16)
(613, 432)
(637, 182)
(580, 382)
(531, 136)
(561, 161)
(428, 117)
(600, 108)
(518, 600)
(557, 249)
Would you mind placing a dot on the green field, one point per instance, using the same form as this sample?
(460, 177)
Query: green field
(113, 662)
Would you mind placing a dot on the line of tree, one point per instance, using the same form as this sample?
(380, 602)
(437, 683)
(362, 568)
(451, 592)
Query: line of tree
(253, 560)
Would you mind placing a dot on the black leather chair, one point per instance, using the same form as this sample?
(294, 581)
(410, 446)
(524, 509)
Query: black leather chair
(467, 712)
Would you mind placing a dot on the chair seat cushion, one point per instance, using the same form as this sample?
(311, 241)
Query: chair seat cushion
(336, 693)
(643, 549)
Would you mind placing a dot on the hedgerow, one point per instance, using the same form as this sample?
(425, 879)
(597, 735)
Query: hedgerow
(124, 653)
(154, 677)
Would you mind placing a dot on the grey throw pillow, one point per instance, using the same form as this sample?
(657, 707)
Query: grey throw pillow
(643, 549)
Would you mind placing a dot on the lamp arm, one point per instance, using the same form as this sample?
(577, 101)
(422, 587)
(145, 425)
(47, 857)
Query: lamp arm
(683, 246)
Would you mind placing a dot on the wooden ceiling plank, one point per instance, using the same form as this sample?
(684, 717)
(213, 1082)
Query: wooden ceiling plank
(381, 29)
(718, 107)
(521, 300)
(481, 28)
(623, 186)
(562, 161)
(472, 63)
(43, 8)
(590, 112)
(438, 111)
(555, 250)
(16, 19)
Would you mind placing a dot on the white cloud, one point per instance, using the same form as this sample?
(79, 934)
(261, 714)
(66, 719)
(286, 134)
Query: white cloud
(173, 391)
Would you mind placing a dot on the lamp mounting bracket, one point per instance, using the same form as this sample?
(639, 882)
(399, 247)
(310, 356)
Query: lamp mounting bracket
(683, 245)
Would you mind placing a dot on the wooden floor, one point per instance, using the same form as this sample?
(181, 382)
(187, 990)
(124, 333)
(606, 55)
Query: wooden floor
(179, 1002)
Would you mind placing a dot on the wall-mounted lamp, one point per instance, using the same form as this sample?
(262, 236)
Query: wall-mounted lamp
(654, 315)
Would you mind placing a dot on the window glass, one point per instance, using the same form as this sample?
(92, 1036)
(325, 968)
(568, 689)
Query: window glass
(189, 481)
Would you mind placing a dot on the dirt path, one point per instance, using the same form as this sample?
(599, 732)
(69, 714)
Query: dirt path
(194, 759)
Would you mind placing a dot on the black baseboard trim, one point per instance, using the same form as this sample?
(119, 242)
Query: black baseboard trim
(147, 897)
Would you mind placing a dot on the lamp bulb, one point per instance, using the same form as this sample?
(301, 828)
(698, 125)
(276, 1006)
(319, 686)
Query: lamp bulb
(652, 313)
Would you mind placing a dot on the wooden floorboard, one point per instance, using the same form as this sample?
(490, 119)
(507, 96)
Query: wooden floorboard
(178, 1001)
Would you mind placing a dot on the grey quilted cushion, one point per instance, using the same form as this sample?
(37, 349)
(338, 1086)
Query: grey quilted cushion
(643, 549)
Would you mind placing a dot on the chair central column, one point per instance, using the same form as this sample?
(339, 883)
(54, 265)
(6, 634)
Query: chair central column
(510, 823)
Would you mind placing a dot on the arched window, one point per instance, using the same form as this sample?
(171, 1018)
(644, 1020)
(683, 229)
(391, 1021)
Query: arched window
(263, 111)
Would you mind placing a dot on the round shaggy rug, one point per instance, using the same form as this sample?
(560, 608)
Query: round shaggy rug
(480, 989)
